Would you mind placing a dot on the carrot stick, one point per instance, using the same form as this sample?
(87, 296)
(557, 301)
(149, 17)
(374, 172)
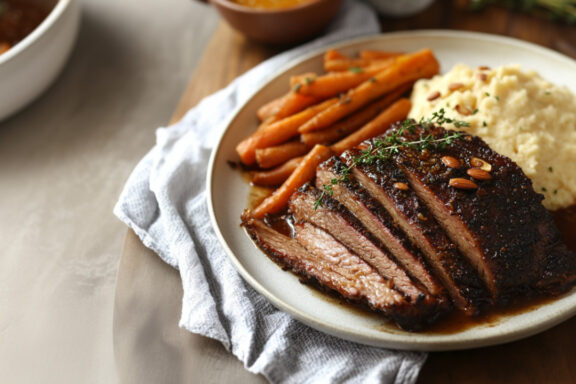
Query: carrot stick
(275, 176)
(396, 112)
(278, 132)
(339, 65)
(273, 156)
(271, 108)
(304, 78)
(404, 69)
(354, 121)
(335, 83)
(333, 54)
(375, 55)
(293, 103)
(303, 173)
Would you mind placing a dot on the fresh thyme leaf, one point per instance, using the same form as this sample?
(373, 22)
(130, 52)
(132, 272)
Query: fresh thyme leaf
(382, 148)
(309, 80)
(356, 70)
(297, 87)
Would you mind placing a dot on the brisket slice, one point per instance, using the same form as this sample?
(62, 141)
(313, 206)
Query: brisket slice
(501, 227)
(461, 280)
(317, 258)
(378, 223)
(335, 219)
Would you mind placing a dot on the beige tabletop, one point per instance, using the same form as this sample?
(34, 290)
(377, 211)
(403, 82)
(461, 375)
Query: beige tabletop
(63, 162)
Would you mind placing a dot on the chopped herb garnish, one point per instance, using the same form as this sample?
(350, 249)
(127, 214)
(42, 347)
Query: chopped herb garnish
(544, 189)
(356, 69)
(383, 148)
(550, 169)
(497, 98)
(297, 87)
(373, 80)
(344, 99)
(487, 94)
(555, 191)
(475, 111)
(548, 93)
(309, 80)
(484, 124)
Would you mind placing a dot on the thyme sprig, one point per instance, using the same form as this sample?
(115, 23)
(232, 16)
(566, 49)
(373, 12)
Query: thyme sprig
(383, 148)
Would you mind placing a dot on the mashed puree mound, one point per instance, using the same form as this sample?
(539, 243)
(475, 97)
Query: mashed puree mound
(519, 114)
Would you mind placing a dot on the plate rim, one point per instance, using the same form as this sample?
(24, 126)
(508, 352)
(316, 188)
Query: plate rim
(419, 341)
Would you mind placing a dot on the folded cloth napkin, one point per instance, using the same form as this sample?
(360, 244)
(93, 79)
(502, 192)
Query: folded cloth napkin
(164, 202)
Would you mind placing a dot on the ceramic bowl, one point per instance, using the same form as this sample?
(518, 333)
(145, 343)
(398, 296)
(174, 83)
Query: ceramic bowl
(282, 26)
(30, 66)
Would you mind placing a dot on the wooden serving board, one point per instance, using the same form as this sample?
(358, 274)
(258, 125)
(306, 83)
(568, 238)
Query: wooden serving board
(549, 357)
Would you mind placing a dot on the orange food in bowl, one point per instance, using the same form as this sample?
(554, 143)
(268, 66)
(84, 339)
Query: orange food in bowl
(299, 22)
(270, 4)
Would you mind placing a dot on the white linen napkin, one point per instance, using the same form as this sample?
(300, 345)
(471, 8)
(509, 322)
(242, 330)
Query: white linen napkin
(164, 202)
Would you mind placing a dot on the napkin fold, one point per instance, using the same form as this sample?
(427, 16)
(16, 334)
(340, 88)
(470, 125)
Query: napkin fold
(164, 202)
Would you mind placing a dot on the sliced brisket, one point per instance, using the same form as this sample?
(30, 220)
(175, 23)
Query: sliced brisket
(378, 222)
(335, 219)
(501, 226)
(387, 183)
(320, 259)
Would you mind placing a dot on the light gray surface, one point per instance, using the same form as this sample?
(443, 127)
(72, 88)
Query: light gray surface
(63, 162)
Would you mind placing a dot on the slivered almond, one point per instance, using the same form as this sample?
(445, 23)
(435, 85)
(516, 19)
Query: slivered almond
(450, 162)
(460, 183)
(401, 186)
(454, 86)
(477, 162)
(462, 110)
(433, 96)
(478, 174)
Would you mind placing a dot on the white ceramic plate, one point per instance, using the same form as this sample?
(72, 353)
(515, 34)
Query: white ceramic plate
(228, 197)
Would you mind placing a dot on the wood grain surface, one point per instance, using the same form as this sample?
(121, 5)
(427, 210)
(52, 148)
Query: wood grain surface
(549, 357)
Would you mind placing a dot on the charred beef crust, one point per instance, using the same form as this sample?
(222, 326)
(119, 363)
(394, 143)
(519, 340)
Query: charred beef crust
(519, 242)
(459, 277)
(406, 253)
(289, 254)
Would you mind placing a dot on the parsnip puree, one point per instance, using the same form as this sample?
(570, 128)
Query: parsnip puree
(519, 114)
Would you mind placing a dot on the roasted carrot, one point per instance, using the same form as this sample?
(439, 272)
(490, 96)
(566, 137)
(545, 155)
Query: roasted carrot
(305, 171)
(404, 69)
(335, 83)
(376, 55)
(293, 103)
(278, 132)
(304, 78)
(275, 176)
(276, 155)
(339, 65)
(396, 112)
(271, 108)
(355, 121)
(333, 54)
